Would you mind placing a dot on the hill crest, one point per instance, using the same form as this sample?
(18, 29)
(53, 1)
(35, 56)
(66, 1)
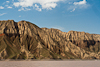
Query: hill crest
(22, 39)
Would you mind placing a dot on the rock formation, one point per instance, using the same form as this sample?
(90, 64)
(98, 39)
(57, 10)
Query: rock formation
(24, 40)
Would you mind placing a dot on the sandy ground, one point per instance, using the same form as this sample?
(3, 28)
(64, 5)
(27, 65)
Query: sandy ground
(93, 63)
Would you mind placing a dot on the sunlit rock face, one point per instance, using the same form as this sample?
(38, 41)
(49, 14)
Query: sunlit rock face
(24, 40)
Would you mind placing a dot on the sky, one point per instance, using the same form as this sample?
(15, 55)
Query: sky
(66, 15)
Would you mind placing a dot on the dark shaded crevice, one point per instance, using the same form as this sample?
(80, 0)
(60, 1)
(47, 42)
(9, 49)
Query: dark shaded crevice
(90, 45)
(84, 43)
(16, 26)
(5, 30)
(10, 34)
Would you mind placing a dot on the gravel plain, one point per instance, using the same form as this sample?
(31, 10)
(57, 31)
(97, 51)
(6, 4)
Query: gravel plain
(69, 63)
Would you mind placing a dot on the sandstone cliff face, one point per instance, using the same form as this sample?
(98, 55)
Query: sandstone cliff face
(24, 40)
(8, 26)
(74, 42)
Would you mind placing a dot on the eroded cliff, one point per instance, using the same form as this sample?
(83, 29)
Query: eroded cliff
(24, 40)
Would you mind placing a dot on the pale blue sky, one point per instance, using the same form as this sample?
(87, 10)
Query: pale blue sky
(66, 15)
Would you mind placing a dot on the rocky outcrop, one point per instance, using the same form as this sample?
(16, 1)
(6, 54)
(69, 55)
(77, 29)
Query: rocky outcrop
(24, 40)
(8, 26)
(78, 43)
